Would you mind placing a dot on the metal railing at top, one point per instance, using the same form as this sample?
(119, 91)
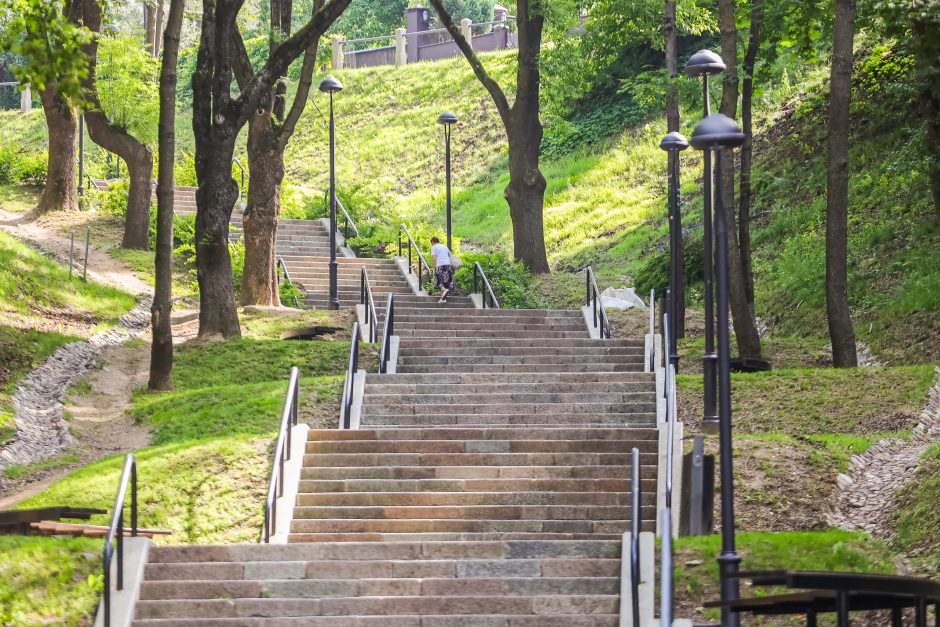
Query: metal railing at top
(423, 269)
(386, 354)
(116, 531)
(365, 298)
(347, 221)
(478, 269)
(288, 280)
(596, 304)
(244, 175)
(351, 369)
(282, 451)
(666, 565)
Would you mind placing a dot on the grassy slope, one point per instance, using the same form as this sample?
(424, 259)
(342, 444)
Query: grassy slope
(42, 310)
(918, 517)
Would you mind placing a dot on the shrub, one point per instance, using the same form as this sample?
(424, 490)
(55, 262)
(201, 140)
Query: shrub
(511, 282)
(113, 202)
(22, 167)
(655, 272)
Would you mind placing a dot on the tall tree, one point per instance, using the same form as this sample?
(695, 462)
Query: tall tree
(161, 349)
(117, 139)
(49, 37)
(745, 325)
(747, 149)
(218, 116)
(837, 198)
(268, 134)
(525, 192)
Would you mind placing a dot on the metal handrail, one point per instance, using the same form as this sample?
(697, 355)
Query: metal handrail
(422, 264)
(350, 374)
(288, 280)
(244, 173)
(386, 354)
(116, 531)
(652, 355)
(666, 565)
(477, 268)
(365, 298)
(596, 304)
(282, 451)
(635, 535)
(347, 221)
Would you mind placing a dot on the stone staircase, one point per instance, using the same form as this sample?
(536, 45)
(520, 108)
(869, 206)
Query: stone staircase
(488, 483)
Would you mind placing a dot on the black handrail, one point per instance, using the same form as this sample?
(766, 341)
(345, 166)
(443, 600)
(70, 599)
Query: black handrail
(652, 333)
(116, 531)
(477, 268)
(365, 298)
(595, 303)
(244, 175)
(386, 354)
(347, 221)
(350, 374)
(282, 451)
(635, 535)
(422, 264)
(288, 280)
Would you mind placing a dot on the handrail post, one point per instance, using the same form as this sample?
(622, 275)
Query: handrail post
(134, 498)
(120, 549)
(635, 536)
(87, 243)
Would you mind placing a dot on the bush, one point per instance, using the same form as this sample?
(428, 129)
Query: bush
(184, 170)
(655, 272)
(511, 282)
(22, 167)
(113, 202)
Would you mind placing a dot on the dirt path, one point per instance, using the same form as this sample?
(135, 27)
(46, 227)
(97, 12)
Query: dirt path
(97, 418)
(101, 266)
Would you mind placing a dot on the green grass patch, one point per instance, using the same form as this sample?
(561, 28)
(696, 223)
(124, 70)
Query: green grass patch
(854, 401)
(263, 326)
(227, 410)
(18, 198)
(917, 516)
(18, 471)
(696, 573)
(205, 492)
(49, 581)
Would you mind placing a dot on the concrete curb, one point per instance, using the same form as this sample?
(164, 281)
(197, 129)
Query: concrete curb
(124, 602)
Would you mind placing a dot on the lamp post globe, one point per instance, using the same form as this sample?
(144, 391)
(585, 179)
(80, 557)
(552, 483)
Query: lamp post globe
(447, 120)
(331, 85)
(715, 133)
(674, 143)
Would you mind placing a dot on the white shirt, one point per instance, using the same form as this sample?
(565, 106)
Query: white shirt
(441, 255)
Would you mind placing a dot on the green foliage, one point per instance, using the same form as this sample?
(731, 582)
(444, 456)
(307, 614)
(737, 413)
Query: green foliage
(19, 166)
(592, 124)
(127, 86)
(184, 170)
(654, 275)
(49, 581)
(511, 283)
(50, 44)
(114, 200)
(917, 517)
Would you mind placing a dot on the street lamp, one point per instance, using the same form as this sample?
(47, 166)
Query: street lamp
(717, 132)
(705, 63)
(332, 85)
(673, 144)
(81, 155)
(447, 120)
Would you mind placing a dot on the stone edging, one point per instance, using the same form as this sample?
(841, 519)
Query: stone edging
(41, 428)
(864, 498)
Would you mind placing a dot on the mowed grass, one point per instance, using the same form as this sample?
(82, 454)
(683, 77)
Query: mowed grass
(49, 581)
(697, 571)
(853, 401)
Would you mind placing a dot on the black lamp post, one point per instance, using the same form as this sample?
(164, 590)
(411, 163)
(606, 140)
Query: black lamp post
(705, 63)
(447, 120)
(717, 132)
(332, 85)
(81, 155)
(673, 144)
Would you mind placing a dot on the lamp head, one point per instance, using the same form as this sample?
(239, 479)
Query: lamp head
(674, 141)
(716, 131)
(703, 63)
(447, 118)
(331, 85)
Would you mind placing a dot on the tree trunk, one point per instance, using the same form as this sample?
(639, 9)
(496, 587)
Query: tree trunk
(672, 66)
(158, 26)
(61, 189)
(526, 196)
(150, 27)
(747, 99)
(215, 200)
(927, 34)
(139, 160)
(161, 350)
(745, 326)
(266, 164)
(837, 199)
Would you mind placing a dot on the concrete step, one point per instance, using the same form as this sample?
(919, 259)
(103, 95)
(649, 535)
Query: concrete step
(509, 388)
(448, 351)
(588, 444)
(633, 420)
(364, 490)
(384, 500)
(644, 400)
(443, 333)
(526, 342)
(470, 473)
(484, 378)
(470, 524)
(462, 434)
(545, 358)
(455, 536)
(513, 368)
(426, 620)
(459, 325)
(481, 459)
